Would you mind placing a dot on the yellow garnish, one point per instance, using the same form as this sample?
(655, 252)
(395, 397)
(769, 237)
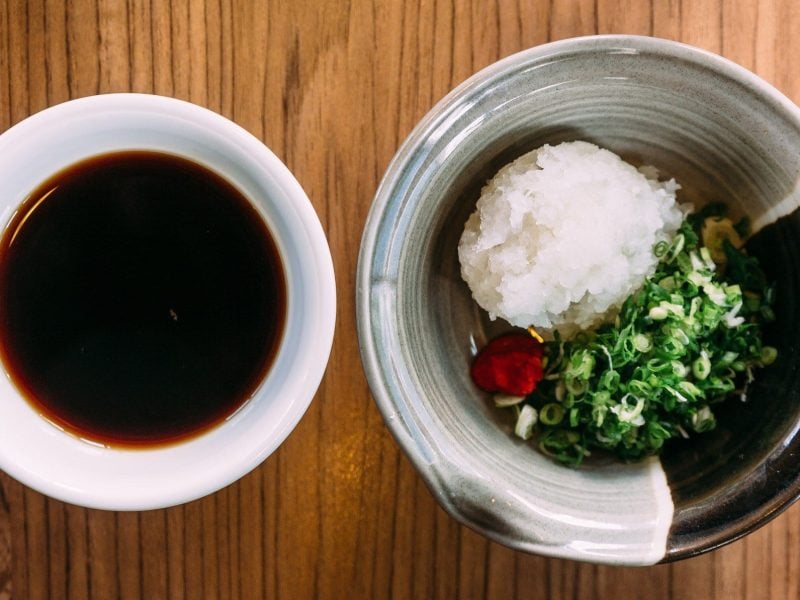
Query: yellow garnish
(535, 335)
(715, 231)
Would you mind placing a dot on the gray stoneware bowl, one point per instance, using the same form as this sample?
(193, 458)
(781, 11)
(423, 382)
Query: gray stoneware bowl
(724, 134)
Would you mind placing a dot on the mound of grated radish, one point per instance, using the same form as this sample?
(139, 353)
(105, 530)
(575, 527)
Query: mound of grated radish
(563, 235)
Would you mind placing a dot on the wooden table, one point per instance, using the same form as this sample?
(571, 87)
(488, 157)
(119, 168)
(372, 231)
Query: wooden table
(333, 87)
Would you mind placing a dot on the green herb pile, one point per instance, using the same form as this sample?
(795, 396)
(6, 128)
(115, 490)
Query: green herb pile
(686, 341)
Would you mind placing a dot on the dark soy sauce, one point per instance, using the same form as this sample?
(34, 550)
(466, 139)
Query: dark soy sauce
(142, 299)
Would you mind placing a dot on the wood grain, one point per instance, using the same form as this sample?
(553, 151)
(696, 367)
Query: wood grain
(333, 87)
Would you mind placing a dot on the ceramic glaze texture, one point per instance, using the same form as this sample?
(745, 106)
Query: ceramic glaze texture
(724, 135)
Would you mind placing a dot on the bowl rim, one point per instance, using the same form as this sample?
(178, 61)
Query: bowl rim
(398, 421)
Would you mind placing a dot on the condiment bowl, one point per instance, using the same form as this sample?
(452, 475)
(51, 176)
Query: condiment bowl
(35, 450)
(725, 135)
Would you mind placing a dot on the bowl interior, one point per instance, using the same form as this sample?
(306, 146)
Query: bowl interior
(723, 135)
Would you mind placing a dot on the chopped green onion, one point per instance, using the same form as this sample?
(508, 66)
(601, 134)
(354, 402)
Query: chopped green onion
(678, 369)
(504, 400)
(551, 414)
(576, 387)
(642, 343)
(677, 246)
(687, 387)
(525, 422)
(658, 313)
(701, 367)
(668, 283)
(703, 420)
(629, 414)
(768, 355)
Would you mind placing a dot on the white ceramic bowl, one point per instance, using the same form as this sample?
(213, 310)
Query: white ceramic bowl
(40, 455)
(724, 134)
